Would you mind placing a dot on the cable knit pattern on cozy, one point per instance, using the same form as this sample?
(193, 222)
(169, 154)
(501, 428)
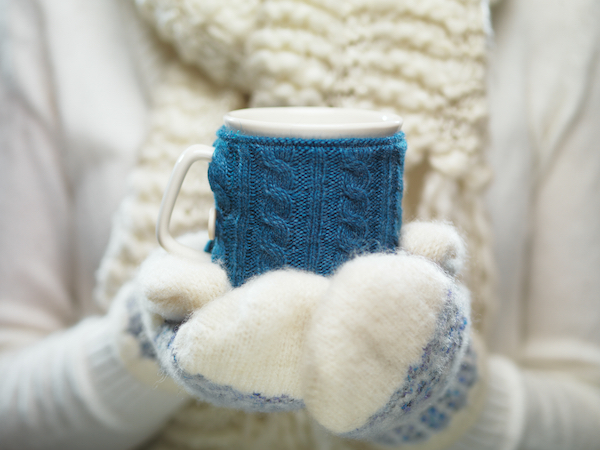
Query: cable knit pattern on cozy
(422, 59)
(279, 181)
(336, 196)
(355, 176)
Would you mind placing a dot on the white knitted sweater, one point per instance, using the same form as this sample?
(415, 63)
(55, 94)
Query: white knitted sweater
(383, 56)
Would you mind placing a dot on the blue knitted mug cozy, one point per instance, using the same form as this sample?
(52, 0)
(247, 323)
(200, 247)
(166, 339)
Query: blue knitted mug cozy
(310, 204)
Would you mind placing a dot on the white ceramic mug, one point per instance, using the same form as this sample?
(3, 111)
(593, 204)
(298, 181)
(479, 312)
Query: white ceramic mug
(300, 187)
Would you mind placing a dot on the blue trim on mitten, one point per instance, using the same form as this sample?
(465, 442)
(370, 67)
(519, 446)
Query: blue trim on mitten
(437, 416)
(433, 390)
(135, 328)
(219, 395)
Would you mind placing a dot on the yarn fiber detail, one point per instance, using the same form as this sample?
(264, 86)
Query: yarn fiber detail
(310, 204)
(208, 34)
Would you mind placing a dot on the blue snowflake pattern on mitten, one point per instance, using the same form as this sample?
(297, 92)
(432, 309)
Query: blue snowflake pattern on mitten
(433, 390)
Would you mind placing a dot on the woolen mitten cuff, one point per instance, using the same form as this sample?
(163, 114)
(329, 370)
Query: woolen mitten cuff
(73, 390)
(127, 341)
(499, 422)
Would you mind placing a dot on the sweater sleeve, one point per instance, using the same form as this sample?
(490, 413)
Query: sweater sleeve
(561, 356)
(64, 384)
(545, 103)
(72, 390)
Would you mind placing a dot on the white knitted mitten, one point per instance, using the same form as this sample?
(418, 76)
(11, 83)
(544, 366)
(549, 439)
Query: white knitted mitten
(388, 355)
(378, 351)
(239, 348)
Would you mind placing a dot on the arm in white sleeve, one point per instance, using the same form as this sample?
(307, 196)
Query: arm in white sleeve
(71, 390)
(562, 329)
(545, 104)
(63, 385)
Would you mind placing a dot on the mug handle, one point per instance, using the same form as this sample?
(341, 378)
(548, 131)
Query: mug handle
(183, 164)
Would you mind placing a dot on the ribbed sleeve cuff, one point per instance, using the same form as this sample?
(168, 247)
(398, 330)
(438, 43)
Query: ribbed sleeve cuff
(119, 399)
(500, 424)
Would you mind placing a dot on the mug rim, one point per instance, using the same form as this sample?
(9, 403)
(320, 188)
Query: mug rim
(310, 122)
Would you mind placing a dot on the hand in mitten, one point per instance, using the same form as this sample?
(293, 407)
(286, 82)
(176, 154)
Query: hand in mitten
(132, 344)
(379, 351)
(389, 356)
(239, 348)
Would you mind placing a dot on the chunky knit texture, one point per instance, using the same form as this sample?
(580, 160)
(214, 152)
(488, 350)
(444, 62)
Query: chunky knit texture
(310, 204)
(421, 59)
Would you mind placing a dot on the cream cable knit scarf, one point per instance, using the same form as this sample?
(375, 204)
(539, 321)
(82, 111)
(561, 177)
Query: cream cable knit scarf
(422, 59)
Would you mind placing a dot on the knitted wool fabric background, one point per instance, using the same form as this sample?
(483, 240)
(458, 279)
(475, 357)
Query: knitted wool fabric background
(422, 59)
